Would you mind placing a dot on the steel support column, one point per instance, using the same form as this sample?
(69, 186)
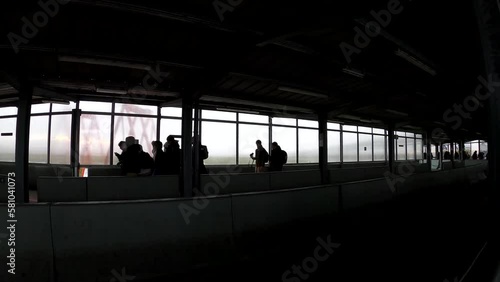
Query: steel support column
(22, 143)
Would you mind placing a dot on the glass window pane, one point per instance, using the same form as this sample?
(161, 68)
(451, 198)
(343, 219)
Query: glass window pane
(287, 139)
(418, 136)
(483, 146)
(474, 147)
(60, 139)
(378, 131)
(364, 129)
(378, 148)
(8, 147)
(248, 134)
(63, 108)
(220, 139)
(40, 108)
(95, 134)
(401, 148)
(171, 112)
(254, 118)
(95, 107)
(365, 147)
(218, 115)
(136, 109)
(308, 146)
(284, 121)
(8, 111)
(420, 145)
(143, 129)
(410, 148)
(308, 123)
(39, 139)
(410, 134)
(334, 126)
(349, 128)
(350, 147)
(333, 146)
(170, 127)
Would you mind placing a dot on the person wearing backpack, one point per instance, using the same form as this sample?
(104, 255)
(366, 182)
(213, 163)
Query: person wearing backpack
(261, 157)
(277, 158)
(203, 155)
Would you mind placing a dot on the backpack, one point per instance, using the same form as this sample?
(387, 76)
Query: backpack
(204, 152)
(284, 157)
(265, 159)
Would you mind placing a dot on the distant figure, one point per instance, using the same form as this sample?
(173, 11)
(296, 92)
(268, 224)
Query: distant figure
(146, 163)
(447, 155)
(131, 157)
(159, 157)
(123, 146)
(203, 155)
(277, 158)
(261, 157)
(481, 156)
(457, 156)
(172, 156)
(474, 156)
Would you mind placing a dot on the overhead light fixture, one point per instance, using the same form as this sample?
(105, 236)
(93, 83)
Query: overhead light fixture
(111, 91)
(104, 62)
(238, 111)
(416, 62)
(255, 104)
(353, 72)
(56, 102)
(303, 92)
(396, 112)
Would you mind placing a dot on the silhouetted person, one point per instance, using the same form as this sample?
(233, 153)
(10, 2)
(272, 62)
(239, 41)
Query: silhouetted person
(457, 156)
(261, 157)
(172, 156)
(159, 157)
(131, 158)
(277, 158)
(203, 155)
(474, 156)
(123, 146)
(481, 156)
(447, 155)
(146, 162)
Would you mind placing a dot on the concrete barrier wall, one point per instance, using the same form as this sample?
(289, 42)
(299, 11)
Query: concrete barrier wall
(294, 179)
(4, 188)
(132, 188)
(361, 193)
(354, 174)
(104, 171)
(254, 211)
(235, 183)
(33, 244)
(144, 237)
(62, 189)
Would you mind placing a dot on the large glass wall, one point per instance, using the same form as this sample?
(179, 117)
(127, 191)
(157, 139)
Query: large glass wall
(229, 136)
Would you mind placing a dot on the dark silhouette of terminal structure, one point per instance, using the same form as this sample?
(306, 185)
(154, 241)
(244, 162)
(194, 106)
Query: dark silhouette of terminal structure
(248, 140)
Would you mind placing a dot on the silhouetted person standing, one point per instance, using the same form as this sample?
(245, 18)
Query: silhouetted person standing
(474, 156)
(172, 156)
(277, 158)
(481, 156)
(123, 146)
(146, 162)
(131, 158)
(261, 157)
(159, 157)
(203, 155)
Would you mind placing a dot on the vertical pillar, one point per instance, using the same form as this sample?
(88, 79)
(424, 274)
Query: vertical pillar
(323, 149)
(429, 150)
(196, 148)
(22, 144)
(391, 147)
(441, 167)
(488, 19)
(75, 141)
(187, 152)
(452, 153)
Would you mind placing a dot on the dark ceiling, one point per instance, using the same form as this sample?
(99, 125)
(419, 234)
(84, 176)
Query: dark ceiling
(250, 58)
